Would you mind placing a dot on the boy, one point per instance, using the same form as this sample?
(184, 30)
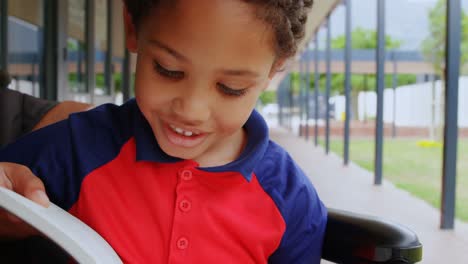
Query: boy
(185, 173)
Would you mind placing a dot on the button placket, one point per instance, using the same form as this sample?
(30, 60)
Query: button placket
(181, 223)
(182, 243)
(185, 205)
(186, 175)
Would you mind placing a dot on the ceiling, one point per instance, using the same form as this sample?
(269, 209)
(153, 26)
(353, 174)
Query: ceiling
(317, 15)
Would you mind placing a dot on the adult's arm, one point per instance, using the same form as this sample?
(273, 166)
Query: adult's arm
(60, 112)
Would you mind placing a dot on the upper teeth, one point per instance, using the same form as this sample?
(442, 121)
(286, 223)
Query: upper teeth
(183, 132)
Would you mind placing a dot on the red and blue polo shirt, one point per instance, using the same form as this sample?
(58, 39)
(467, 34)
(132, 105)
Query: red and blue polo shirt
(105, 167)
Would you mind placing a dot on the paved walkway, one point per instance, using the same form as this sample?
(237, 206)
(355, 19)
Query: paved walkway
(351, 188)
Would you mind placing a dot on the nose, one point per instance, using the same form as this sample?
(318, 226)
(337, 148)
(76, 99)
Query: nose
(192, 107)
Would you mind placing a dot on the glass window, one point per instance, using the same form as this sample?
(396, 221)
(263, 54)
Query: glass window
(3, 52)
(25, 34)
(118, 50)
(117, 80)
(76, 46)
(102, 88)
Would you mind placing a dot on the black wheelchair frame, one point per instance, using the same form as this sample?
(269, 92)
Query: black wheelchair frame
(355, 238)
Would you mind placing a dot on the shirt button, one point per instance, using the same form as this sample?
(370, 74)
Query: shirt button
(185, 206)
(182, 243)
(186, 175)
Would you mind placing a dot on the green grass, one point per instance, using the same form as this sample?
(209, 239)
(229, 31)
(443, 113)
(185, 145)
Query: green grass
(413, 168)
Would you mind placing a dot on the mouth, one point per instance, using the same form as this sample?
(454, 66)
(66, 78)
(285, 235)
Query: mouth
(183, 137)
(187, 133)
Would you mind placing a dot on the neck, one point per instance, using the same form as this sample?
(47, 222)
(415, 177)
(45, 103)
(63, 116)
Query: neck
(230, 150)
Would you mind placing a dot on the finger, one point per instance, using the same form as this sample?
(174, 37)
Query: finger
(24, 182)
(38, 196)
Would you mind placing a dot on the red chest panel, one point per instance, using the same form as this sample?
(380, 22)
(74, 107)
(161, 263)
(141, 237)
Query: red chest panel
(175, 213)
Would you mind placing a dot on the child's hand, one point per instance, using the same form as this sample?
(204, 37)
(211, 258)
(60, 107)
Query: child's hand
(21, 180)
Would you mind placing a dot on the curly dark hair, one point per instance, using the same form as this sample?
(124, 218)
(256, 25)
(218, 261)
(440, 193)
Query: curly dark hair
(287, 19)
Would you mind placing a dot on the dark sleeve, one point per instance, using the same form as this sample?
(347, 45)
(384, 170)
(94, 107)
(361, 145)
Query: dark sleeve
(303, 212)
(306, 219)
(50, 154)
(63, 153)
(19, 113)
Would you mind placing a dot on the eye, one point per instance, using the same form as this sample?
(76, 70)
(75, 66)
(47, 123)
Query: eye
(167, 73)
(231, 92)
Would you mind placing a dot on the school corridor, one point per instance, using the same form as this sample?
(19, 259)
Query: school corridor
(351, 188)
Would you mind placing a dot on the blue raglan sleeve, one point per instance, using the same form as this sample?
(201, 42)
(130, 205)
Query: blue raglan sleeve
(49, 153)
(304, 214)
(62, 154)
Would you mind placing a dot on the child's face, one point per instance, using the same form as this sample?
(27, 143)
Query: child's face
(201, 67)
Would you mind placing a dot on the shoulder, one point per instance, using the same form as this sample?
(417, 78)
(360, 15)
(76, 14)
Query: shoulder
(284, 180)
(277, 169)
(97, 132)
(104, 129)
(64, 153)
(298, 202)
(106, 115)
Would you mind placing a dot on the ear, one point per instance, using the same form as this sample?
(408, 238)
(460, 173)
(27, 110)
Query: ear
(130, 31)
(277, 66)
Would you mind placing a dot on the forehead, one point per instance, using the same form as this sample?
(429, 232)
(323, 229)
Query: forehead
(211, 28)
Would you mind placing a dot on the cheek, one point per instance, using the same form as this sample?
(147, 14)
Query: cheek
(230, 117)
(148, 87)
(142, 80)
(230, 125)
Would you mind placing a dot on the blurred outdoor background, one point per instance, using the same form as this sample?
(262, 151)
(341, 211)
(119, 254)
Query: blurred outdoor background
(413, 104)
(374, 88)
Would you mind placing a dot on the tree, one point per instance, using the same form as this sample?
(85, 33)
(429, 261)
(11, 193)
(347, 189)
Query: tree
(363, 39)
(268, 97)
(433, 48)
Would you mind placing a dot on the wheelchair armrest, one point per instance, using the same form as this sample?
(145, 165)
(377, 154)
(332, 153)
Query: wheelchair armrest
(355, 238)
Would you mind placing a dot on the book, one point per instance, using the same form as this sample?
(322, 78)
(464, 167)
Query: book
(75, 237)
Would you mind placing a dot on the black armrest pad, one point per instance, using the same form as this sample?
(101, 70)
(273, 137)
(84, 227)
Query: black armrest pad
(354, 238)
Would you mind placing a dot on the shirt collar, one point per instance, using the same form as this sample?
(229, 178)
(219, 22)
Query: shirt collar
(148, 149)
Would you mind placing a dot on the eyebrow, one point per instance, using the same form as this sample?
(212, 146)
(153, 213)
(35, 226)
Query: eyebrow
(171, 51)
(247, 73)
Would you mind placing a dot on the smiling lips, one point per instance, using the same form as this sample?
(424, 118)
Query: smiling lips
(183, 138)
(184, 132)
